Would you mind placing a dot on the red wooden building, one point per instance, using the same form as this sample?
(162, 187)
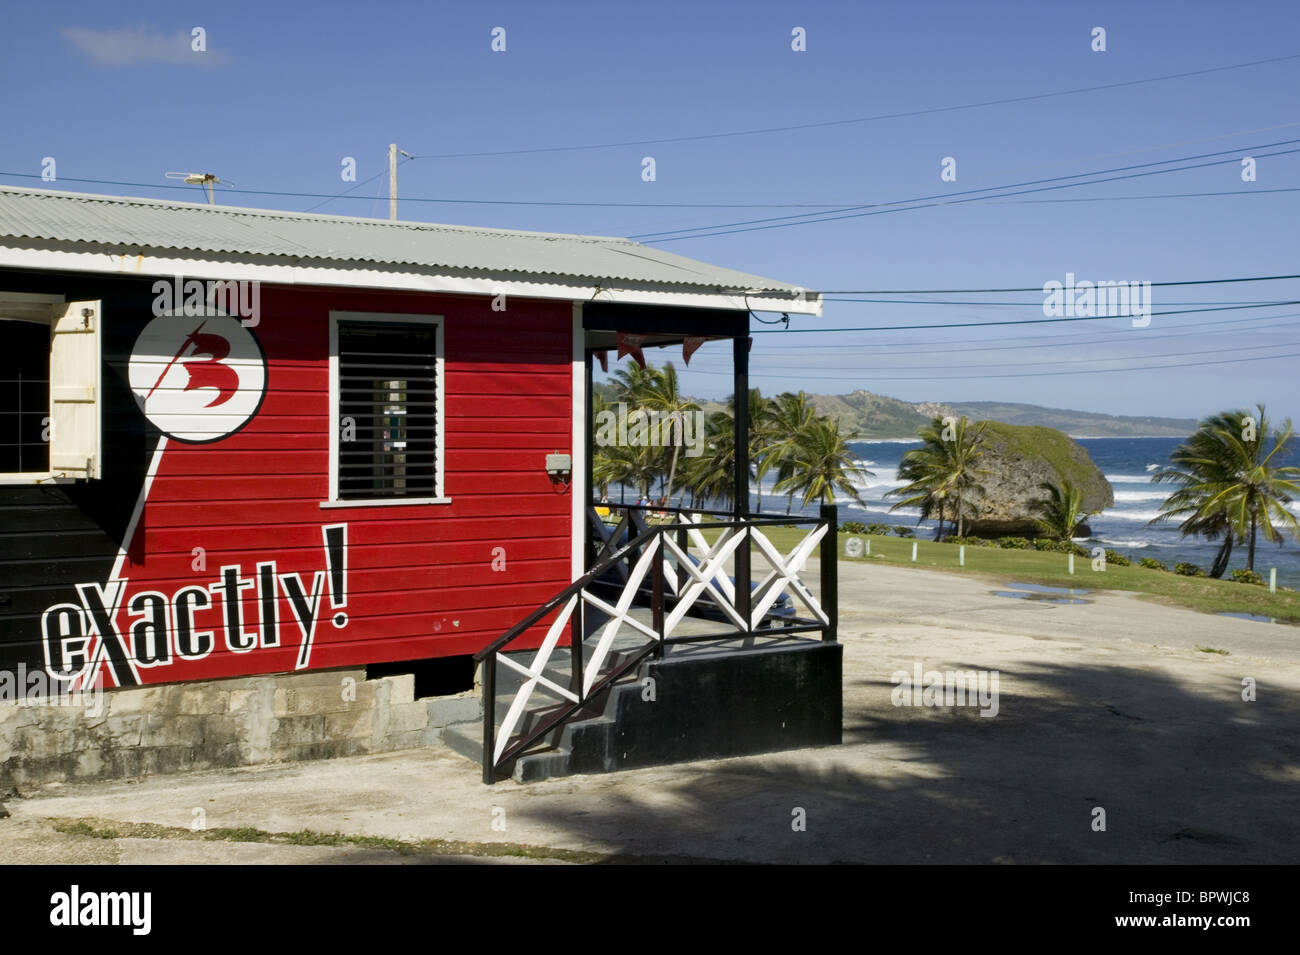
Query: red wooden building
(241, 441)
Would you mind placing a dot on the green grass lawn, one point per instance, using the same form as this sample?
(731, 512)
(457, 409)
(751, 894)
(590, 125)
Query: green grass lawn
(1009, 566)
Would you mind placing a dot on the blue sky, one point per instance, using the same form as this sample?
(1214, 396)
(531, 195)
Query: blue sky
(285, 91)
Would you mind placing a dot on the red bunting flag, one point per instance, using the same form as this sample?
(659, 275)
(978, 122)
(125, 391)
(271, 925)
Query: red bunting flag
(690, 345)
(603, 358)
(629, 344)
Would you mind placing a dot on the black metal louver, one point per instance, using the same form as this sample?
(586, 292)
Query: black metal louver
(388, 410)
(24, 397)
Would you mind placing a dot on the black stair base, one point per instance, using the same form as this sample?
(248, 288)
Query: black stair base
(707, 705)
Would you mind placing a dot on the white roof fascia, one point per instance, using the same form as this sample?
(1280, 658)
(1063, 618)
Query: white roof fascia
(58, 256)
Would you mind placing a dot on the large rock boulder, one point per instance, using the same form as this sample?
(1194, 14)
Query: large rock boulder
(1021, 457)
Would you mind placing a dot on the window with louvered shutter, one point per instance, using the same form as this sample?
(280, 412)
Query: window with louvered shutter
(49, 389)
(387, 408)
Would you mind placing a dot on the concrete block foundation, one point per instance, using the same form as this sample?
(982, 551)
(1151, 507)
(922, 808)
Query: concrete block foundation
(242, 721)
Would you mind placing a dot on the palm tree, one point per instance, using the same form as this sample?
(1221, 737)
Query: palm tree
(710, 476)
(654, 392)
(632, 382)
(944, 470)
(1230, 484)
(1202, 466)
(926, 489)
(760, 438)
(822, 463)
(658, 393)
(620, 464)
(790, 417)
(617, 463)
(1062, 510)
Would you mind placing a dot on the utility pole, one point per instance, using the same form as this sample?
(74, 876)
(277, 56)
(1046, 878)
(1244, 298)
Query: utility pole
(392, 180)
(392, 177)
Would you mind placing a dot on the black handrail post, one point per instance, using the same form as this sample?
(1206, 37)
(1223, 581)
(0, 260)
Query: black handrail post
(684, 545)
(828, 556)
(740, 503)
(657, 598)
(744, 591)
(577, 634)
(489, 716)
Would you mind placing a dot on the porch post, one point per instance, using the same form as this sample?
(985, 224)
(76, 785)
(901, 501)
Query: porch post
(590, 464)
(740, 505)
(740, 369)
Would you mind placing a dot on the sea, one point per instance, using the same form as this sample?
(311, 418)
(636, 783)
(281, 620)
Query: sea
(1126, 462)
(1124, 527)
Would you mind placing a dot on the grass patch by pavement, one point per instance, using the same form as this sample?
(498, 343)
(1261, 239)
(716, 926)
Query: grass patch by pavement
(94, 828)
(114, 829)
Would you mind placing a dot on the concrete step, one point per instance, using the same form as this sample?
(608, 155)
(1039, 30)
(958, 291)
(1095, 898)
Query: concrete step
(589, 738)
(466, 739)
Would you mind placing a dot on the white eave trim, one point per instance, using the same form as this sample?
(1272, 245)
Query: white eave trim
(403, 278)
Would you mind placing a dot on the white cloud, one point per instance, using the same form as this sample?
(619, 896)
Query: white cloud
(127, 47)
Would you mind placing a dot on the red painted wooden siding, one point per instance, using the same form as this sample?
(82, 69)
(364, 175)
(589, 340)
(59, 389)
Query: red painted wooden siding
(420, 578)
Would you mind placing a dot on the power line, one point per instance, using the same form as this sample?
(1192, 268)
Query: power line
(903, 207)
(1047, 340)
(1062, 361)
(346, 194)
(1055, 341)
(924, 301)
(968, 192)
(1037, 288)
(923, 202)
(1034, 374)
(792, 220)
(862, 119)
(1163, 195)
(1009, 321)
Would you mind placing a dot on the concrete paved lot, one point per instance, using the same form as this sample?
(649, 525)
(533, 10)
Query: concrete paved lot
(1105, 704)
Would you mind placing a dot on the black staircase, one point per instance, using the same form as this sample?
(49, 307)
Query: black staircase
(668, 615)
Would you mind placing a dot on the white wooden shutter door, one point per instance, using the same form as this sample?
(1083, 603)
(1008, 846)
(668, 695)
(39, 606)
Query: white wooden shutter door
(74, 390)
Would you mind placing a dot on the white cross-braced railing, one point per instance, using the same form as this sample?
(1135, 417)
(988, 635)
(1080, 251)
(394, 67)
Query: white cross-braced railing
(671, 575)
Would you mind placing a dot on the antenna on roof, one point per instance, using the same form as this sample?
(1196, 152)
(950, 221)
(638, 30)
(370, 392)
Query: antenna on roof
(199, 179)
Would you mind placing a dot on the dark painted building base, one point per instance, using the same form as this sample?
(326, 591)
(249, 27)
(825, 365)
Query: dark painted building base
(698, 703)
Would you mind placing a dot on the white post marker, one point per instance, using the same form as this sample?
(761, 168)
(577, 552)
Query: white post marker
(1272, 580)
(914, 552)
(1072, 562)
(961, 556)
(868, 546)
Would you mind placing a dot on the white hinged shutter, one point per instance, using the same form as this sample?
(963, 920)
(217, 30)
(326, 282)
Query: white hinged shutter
(74, 389)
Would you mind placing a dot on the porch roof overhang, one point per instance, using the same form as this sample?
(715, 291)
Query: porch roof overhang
(70, 232)
(602, 321)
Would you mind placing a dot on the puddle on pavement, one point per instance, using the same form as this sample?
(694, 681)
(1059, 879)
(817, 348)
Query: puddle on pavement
(1260, 619)
(1043, 594)
(1044, 589)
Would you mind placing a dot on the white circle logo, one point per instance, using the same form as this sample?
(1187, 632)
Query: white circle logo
(198, 378)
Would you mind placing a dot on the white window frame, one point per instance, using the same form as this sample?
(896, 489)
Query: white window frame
(73, 388)
(439, 410)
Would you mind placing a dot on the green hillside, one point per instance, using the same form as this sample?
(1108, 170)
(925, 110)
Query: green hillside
(876, 417)
(1076, 423)
(871, 415)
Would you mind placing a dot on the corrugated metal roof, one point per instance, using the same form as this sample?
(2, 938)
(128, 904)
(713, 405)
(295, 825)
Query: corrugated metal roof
(147, 224)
